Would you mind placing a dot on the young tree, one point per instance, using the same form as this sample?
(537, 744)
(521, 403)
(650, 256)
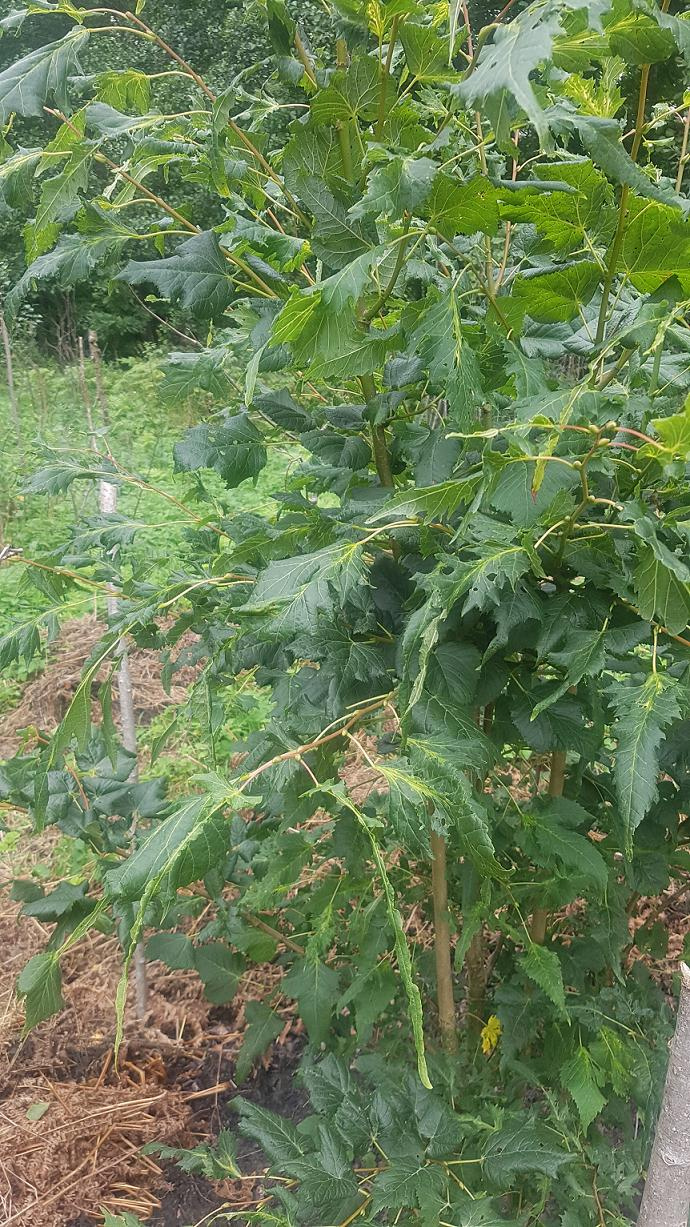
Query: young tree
(461, 290)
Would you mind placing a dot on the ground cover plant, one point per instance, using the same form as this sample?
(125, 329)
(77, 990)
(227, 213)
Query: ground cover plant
(462, 282)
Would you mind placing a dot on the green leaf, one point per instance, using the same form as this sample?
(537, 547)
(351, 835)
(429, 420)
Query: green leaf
(674, 432)
(173, 949)
(217, 1162)
(399, 186)
(602, 140)
(661, 591)
(579, 1076)
(184, 847)
(407, 1182)
(523, 1146)
(185, 373)
(566, 220)
(432, 503)
(426, 53)
(643, 713)
(37, 1110)
(584, 656)
(220, 969)
(316, 989)
(558, 295)
(72, 261)
(39, 984)
(197, 276)
(263, 1026)
(551, 825)
(544, 967)
(276, 1135)
(505, 65)
(352, 93)
(455, 207)
(232, 446)
(28, 84)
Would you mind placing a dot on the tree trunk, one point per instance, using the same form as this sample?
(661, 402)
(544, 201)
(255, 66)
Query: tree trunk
(444, 971)
(107, 504)
(666, 1200)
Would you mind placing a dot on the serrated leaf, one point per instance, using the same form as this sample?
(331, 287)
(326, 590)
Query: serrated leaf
(185, 846)
(505, 65)
(523, 1147)
(263, 1026)
(661, 592)
(579, 1078)
(544, 967)
(316, 989)
(232, 446)
(173, 949)
(277, 1136)
(558, 295)
(30, 82)
(40, 985)
(643, 713)
(220, 969)
(197, 276)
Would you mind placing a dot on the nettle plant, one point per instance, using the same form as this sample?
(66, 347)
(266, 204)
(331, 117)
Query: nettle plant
(461, 289)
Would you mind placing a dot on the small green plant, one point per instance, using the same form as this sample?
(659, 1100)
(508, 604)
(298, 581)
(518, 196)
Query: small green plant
(462, 284)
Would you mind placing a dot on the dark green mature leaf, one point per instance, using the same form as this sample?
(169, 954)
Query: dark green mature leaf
(454, 207)
(71, 261)
(220, 969)
(559, 295)
(663, 591)
(198, 275)
(351, 93)
(233, 447)
(523, 1146)
(316, 989)
(41, 76)
(39, 985)
(399, 186)
(407, 1182)
(263, 1027)
(643, 714)
(185, 373)
(581, 1079)
(277, 1136)
(544, 967)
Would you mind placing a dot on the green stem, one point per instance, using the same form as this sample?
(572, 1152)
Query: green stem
(444, 972)
(397, 269)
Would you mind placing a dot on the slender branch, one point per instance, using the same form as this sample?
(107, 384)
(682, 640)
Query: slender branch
(540, 915)
(444, 972)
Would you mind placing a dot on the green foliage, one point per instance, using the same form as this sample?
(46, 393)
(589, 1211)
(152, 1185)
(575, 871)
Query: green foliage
(450, 279)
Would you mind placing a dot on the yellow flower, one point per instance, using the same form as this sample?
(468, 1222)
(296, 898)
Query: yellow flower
(490, 1035)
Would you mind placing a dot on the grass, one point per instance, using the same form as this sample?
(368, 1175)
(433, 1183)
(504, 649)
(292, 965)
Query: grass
(141, 434)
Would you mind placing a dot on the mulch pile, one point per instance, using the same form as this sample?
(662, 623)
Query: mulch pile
(71, 1125)
(45, 698)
